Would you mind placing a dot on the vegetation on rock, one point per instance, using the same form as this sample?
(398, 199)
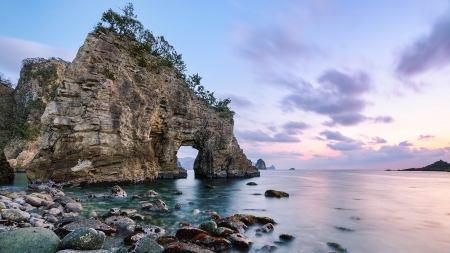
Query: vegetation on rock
(436, 166)
(276, 194)
(5, 81)
(164, 54)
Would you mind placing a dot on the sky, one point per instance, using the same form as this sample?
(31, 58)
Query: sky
(316, 84)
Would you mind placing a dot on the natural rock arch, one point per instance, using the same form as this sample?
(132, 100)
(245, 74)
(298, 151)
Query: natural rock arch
(113, 121)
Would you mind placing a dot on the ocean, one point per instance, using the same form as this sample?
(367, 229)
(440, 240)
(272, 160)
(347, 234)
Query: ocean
(365, 211)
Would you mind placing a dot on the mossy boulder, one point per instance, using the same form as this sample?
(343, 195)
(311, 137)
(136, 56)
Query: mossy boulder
(83, 238)
(40, 240)
(276, 194)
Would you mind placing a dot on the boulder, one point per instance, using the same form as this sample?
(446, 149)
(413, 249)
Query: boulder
(188, 233)
(70, 224)
(34, 201)
(146, 245)
(166, 240)
(276, 194)
(124, 225)
(209, 226)
(240, 241)
(180, 247)
(211, 242)
(286, 237)
(233, 223)
(117, 192)
(83, 239)
(252, 183)
(15, 215)
(83, 251)
(74, 207)
(267, 228)
(158, 206)
(40, 240)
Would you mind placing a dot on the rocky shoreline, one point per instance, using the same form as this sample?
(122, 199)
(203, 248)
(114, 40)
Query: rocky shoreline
(44, 213)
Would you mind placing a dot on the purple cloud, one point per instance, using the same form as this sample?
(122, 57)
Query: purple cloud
(429, 52)
(336, 136)
(405, 144)
(260, 136)
(426, 137)
(346, 120)
(345, 146)
(345, 84)
(239, 101)
(383, 119)
(293, 128)
(377, 140)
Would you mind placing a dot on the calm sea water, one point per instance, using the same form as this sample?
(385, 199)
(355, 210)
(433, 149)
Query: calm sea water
(387, 211)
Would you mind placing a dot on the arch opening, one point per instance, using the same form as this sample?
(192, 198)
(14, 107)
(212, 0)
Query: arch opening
(186, 156)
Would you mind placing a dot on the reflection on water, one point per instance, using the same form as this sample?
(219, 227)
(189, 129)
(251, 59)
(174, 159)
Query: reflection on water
(387, 211)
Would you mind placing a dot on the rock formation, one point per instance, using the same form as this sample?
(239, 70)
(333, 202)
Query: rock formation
(260, 164)
(112, 120)
(6, 125)
(271, 167)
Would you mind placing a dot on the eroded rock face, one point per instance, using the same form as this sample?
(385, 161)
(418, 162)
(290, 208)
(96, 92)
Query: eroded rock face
(6, 123)
(260, 164)
(113, 121)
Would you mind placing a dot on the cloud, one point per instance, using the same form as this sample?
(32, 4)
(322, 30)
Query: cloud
(345, 84)
(293, 127)
(345, 146)
(405, 144)
(336, 136)
(260, 136)
(383, 119)
(431, 51)
(377, 140)
(273, 155)
(346, 120)
(239, 101)
(426, 137)
(13, 51)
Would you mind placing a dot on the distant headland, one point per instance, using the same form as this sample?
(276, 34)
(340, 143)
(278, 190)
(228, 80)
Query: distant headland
(437, 166)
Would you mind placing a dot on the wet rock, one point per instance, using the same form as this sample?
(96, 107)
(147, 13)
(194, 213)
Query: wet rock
(344, 229)
(215, 217)
(166, 240)
(180, 247)
(286, 237)
(209, 226)
(83, 251)
(223, 232)
(208, 186)
(15, 215)
(276, 194)
(188, 233)
(337, 246)
(19, 201)
(178, 206)
(267, 228)
(74, 207)
(185, 224)
(267, 248)
(69, 215)
(63, 200)
(153, 231)
(240, 240)
(146, 205)
(83, 239)
(152, 193)
(233, 223)
(147, 245)
(211, 242)
(137, 216)
(34, 201)
(29, 238)
(54, 211)
(117, 192)
(114, 211)
(252, 183)
(132, 238)
(124, 225)
(355, 218)
(264, 220)
(195, 211)
(127, 212)
(176, 192)
(158, 206)
(50, 218)
(68, 225)
(248, 219)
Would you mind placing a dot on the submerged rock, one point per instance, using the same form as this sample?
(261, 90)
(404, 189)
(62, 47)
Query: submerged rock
(180, 247)
(68, 225)
(252, 183)
(276, 194)
(211, 242)
(147, 245)
(240, 240)
(123, 224)
(286, 237)
(40, 240)
(337, 246)
(233, 223)
(158, 206)
(188, 233)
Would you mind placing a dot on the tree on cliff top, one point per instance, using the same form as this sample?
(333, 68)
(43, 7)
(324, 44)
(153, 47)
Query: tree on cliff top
(5, 80)
(127, 25)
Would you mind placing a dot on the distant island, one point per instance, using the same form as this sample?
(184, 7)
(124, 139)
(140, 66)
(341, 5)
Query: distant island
(437, 166)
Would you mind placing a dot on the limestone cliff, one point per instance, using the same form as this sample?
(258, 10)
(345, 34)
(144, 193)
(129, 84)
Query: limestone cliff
(6, 124)
(115, 120)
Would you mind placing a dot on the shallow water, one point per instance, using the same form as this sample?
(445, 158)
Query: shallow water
(387, 211)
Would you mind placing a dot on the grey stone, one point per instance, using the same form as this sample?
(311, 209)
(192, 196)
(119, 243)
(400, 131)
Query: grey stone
(15, 215)
(36, 240)
(83, 239)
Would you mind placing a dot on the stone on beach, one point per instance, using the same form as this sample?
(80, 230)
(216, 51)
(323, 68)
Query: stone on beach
(40, 240)
(83, 239)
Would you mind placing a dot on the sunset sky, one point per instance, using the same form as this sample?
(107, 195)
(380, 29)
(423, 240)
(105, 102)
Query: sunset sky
(329, 84)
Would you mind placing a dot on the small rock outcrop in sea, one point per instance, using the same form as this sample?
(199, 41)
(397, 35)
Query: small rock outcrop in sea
(292, 169)
(271, 168)
(277, 194)
(260, 164)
